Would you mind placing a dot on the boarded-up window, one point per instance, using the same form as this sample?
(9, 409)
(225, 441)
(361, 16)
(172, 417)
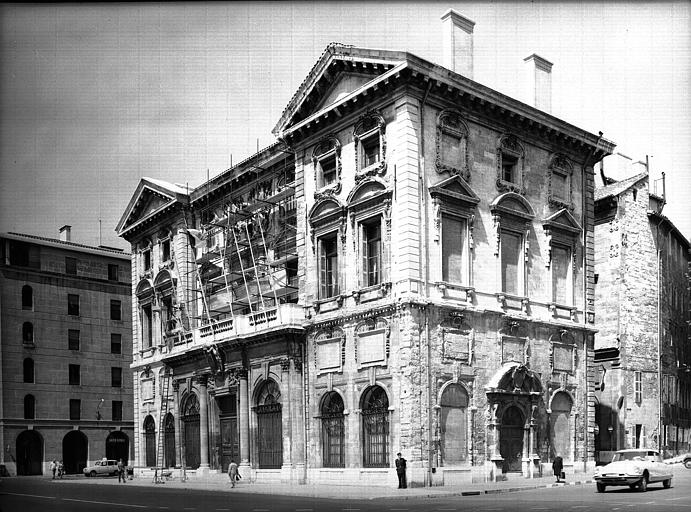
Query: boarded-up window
(453, 424)
(560, 420)
(561, 288)
(512, 349)
(454, 268)
(563, 357)
(511, 244)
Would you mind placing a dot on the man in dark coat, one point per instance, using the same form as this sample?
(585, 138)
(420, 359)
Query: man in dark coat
(400, 471)
(557, 467)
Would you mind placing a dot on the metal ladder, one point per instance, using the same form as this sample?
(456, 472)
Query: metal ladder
(160, 472)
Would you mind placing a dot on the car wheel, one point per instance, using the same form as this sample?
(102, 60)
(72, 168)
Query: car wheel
(667, 483)
(92, 474)
(687, 463)
(643, 485)
(601, 487)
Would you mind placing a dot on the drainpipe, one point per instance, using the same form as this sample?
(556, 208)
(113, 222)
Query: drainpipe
(425, 261)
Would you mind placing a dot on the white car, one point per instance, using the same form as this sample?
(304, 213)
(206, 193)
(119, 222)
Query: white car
(102, 467)
(635, 468)
(684, 458)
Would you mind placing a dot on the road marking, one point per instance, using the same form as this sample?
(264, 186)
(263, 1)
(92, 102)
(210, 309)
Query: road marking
(30, 495)
(105, 503)
(303, 510)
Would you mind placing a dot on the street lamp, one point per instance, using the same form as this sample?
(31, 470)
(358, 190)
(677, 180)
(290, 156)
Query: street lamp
(98, 410)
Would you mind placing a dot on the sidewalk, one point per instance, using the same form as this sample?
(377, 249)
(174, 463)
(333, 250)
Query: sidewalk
(221, 483)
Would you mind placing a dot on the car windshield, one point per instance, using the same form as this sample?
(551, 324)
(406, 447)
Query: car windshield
(642, 455)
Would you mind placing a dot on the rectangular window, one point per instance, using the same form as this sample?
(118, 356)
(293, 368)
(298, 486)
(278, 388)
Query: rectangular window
(451, 150)
(74, 377)
(112, 272)
(165, 250)
(146, 258)
(637, 389)
(75, 409)
(371, 252)
(561, 271)
(116, 410)
(73, 339)
(370, 149)
(147, 326)
(559, 186)
(328, 169)
(71, 266)
(328, 266)
(453, 266)
(115, 310)
(115, 343)
(511, 248)
(508, 167)
(73, 304)
(116, 377)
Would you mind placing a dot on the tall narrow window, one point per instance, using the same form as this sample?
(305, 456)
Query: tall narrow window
(369, 143)
(29, 407)
(115, 343)
(333, 431)
(560, 175)
(147, 326)
(150, 441)
(113, 272)
(27, 297)
(115, 310)
(71, 266)
(28, 370)
(510, 156)
(73, 339)
(375, 428)
(165, 250)
(511, 267)
(371, 252)
(453, 239)
(561, 271)
(28, 333)
(453, 424)
(73, 304)
(146, 259)
(638, 387)
(509, 167)
(75, 409)
(328, 266)
(327, 162)
(74, 375)
(116, 377)
(116, 410)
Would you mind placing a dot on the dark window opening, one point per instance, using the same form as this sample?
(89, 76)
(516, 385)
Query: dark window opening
(29, 407)
(71, 266)
(115, 310)
(74, 375)
(165, 250)
(28, 333)
(146, 255)
(28, 370)
(27, 297)
(115, 343)
(75, 409)
(370, 150)
(113, 272)
(116, 377)
(509, 164)
(73, 339)
(328, 168)
(73, 305)
(116, 411)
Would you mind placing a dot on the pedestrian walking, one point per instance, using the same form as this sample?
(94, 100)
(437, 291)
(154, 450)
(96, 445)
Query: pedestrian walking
(557, 467)
(122, 472)
(400, 471)
(61, 469)
(233, 472)
(53, 467)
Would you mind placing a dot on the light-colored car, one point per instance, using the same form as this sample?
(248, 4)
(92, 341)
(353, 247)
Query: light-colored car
(684, 458)
(635, 468)
(102, 467)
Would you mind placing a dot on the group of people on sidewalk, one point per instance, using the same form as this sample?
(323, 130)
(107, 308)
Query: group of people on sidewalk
(57, 467)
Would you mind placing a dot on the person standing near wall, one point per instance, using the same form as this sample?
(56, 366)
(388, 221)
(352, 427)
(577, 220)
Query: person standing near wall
(400, 471)
(557, 467)
(233, 472)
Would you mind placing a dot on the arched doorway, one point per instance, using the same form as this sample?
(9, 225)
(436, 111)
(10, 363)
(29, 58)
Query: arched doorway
(269, 425)
(169, 440)
(117, 446)
(75, 449)
(453, 424)
(150, 441)
(375, 428)
(333, 431)
(29, 453)
(560, 425)
(190, 421)
(511, 439)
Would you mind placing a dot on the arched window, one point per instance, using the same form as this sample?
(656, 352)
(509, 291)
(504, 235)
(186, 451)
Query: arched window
(29, 407)
(28, 333)
(150, 441)
(561, 425)
(27, 297)
(269, 425)
(29, 370)
(333, 431)
(169, 441)
(454, 424)
(375, 428)
(191, 425)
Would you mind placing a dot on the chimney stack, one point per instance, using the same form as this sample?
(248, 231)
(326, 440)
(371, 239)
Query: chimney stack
(457, 43)
(66, 233)
(539, 82)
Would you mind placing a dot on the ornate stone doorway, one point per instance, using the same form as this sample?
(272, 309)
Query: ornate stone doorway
(511, 439)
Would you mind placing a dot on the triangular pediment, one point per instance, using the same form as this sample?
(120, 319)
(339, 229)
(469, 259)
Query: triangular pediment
(564, 221)
(455, 188)
(150, 198)
(340, 72)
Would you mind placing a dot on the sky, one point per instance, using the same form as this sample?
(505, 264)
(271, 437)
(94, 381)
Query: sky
(93, 97)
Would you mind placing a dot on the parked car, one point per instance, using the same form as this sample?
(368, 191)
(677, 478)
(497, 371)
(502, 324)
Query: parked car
(635, 468)
(684, 458)
(102, 467)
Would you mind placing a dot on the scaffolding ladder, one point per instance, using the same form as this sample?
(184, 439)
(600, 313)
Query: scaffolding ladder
(162, 473)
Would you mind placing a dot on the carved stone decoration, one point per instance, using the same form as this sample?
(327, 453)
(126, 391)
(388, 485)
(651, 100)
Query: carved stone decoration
(496, 224)
(329, 350)
(450, 125)
(215, 359)
(456, 336)
(372, 342)
(510, 147)
(371, 124)
(561, 165)
(327, 148)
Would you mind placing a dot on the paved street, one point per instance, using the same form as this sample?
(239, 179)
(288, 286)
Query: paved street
(77, 494)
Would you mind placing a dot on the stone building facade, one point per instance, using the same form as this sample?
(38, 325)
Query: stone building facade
(642, 356)
(435, 298)
(66, 387)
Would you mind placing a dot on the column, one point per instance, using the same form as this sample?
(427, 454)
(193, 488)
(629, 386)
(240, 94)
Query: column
(244, 423)
(203, 424)
(298, 420)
